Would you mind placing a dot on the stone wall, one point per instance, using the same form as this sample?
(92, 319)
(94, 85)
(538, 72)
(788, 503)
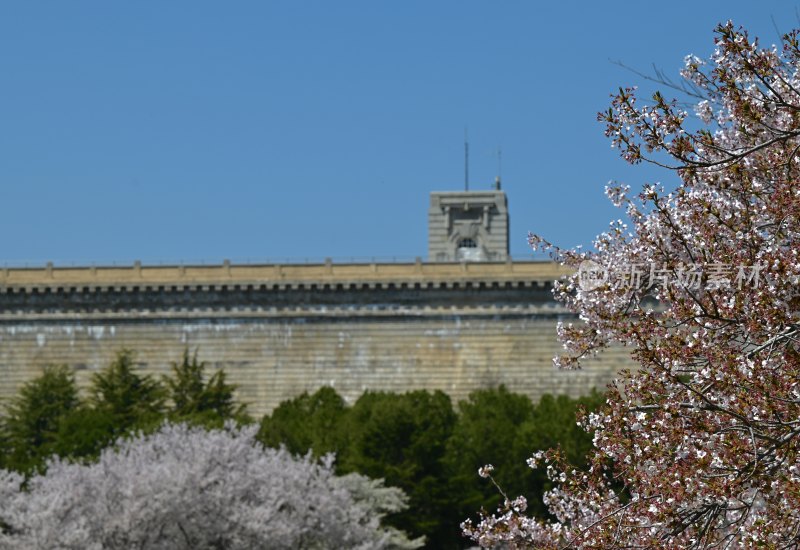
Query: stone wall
(391, 327)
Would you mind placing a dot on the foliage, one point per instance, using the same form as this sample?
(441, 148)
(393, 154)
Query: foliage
(31, 424)
(194, 399)
(417, 442)
(49, 417)
(488, 431)
(554, 425)
(501, 428)
(83, 433)
(703, 437)
(185, 487)
(401, 438)
(307, 423)
(132, 400)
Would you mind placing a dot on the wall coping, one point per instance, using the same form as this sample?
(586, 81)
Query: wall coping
(325, 272)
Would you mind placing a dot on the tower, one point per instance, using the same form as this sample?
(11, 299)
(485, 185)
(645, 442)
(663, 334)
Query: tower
(468, 226)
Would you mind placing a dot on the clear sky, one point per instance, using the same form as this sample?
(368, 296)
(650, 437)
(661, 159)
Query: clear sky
(197, 131)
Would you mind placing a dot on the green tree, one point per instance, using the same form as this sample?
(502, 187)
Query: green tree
(199, 401)
(84, 432)
(488, 431)
(31, 424)
(307, 423)
(504, 429)
(131, 400)
(417, 442)
(554, 425)
(401, 438)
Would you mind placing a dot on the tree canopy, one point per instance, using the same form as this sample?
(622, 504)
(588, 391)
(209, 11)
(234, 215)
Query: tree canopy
(418, 442)
(189, 487)
(699, 447)
(193, 398)
(49, 416)
(33, 419)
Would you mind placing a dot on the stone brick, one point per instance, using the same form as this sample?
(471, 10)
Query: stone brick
(279, 332)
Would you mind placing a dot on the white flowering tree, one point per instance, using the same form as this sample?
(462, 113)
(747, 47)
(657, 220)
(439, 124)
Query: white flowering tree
(699, 447)
(184, 487)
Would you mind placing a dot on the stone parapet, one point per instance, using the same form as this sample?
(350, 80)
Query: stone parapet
(279, 274)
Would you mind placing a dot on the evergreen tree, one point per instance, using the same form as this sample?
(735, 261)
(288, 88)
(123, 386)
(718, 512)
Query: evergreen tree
(307, 423)
(84, 433)
(417, 442)
(131, 400)
(196, 400)
(32, 419)
(488, 431)
(401, 438)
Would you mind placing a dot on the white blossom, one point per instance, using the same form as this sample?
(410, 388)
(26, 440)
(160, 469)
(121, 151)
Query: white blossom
(184, 487)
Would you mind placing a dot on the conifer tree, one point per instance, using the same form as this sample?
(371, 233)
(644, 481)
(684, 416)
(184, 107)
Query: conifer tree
(130, 399)
(31, 424)
(194, 398)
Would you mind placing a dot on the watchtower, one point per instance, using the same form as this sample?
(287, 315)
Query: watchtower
(468, 226)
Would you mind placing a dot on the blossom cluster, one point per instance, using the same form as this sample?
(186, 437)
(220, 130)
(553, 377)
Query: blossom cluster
(699, 446)
(184, 487)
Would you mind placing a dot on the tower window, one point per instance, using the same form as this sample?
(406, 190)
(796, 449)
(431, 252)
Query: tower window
(467, 243)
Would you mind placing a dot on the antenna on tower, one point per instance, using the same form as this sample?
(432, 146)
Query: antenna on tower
(466, 160)
(498, 177)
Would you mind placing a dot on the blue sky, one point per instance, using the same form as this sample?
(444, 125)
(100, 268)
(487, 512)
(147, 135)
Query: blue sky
(198, 131)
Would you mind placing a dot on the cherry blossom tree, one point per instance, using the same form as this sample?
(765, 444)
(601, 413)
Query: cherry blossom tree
(699, 447)
(185, 487)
